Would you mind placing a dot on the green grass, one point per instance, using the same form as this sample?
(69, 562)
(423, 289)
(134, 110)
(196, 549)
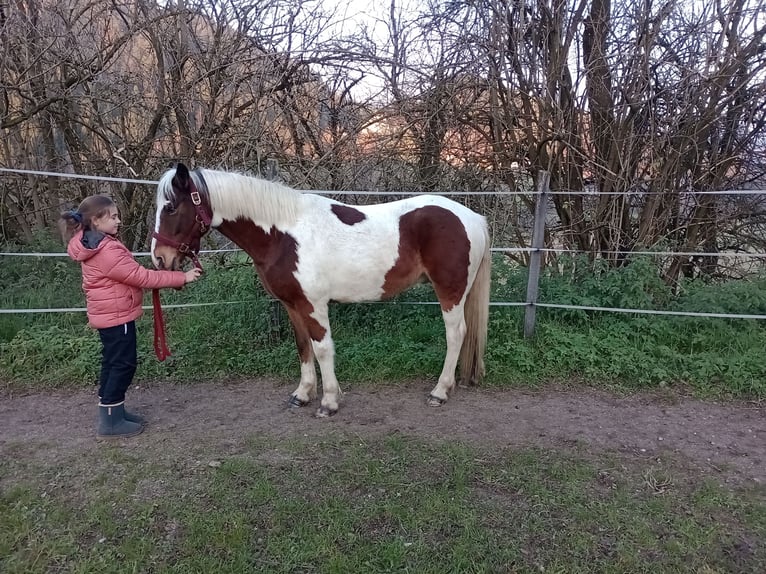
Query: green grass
(384, 504)
(393, 342)
(388, 504)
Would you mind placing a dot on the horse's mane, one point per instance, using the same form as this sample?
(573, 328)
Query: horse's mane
(234, 195)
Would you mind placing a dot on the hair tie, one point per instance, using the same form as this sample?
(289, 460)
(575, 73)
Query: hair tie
(76, 215)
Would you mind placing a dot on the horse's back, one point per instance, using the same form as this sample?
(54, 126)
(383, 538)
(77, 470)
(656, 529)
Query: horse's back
(415, 202)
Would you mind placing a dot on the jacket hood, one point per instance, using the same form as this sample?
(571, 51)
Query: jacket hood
(83, 246)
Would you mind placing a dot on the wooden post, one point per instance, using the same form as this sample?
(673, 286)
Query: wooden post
(535, 257)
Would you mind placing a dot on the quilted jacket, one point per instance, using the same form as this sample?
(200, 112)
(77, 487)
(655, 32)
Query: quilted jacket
(113, 281)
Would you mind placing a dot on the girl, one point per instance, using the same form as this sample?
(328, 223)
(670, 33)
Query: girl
(113, 282)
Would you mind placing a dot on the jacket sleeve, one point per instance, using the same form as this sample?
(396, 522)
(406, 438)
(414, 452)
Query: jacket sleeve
(123, 268)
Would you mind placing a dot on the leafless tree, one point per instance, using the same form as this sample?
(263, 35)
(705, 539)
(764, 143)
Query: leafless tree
(645, 105)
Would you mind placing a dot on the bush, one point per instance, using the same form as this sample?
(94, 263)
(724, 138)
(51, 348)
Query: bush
(248, 334)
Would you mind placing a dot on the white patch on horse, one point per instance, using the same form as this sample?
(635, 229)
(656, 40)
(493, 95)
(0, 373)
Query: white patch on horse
(345, 263)
(307, 389)
(454, 323)
(164, 198)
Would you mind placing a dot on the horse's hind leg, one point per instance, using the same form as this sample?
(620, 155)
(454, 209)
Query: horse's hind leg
(454, 323)
(307, 388)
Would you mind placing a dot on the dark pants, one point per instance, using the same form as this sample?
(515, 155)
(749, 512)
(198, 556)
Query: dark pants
(118, 362)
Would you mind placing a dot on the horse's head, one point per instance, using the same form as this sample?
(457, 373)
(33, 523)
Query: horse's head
(183, 217)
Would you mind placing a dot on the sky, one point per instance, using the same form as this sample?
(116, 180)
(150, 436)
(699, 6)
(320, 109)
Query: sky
(352, 16)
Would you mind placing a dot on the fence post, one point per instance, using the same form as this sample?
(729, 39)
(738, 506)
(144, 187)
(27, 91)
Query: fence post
(272, 169)
(535, 257)
(275, 309)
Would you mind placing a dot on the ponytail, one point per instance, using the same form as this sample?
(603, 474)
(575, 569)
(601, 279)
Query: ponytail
(74, 220)
(70, 223)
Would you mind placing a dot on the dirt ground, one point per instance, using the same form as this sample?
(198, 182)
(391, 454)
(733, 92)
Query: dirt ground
(723, 440)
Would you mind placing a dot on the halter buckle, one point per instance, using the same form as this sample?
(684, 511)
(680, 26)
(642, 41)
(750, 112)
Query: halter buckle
(195, 197)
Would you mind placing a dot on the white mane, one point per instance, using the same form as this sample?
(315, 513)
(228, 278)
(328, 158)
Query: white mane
(233, 196)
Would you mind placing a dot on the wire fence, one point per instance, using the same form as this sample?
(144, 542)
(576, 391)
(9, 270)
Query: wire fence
(535, 251)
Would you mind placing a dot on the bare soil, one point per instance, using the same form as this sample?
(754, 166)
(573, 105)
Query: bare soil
(726, 440)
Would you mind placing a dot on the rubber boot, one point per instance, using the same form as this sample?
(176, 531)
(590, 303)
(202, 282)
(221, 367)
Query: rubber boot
(112, 423)
(132, 417)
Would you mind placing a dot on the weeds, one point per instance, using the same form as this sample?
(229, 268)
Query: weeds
(248, 334)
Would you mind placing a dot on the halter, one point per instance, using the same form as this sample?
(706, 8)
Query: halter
(203, 217)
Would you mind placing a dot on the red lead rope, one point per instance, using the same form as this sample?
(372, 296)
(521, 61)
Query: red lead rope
(160, 346)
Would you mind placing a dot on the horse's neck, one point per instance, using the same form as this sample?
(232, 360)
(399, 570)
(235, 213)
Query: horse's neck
(254, 213)
(262, 245)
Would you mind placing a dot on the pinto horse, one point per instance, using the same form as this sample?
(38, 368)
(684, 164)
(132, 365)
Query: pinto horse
(309, 250)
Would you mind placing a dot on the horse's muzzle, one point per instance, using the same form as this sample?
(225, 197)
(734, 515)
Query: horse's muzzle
(167, 261)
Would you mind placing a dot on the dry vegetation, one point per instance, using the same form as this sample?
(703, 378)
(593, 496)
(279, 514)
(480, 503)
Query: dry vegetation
(653, 103)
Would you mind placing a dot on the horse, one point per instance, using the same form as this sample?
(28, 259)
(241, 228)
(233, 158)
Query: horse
(309, 249)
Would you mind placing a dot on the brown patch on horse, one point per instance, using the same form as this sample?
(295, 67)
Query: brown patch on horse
(302, 336)
(347, 214)
(432, 242)
(275, 255)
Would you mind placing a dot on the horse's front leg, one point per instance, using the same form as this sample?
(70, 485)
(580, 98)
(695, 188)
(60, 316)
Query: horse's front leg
(324, 350)
(307, 388)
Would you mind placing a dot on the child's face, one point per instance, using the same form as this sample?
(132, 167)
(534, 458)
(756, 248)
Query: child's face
(108, 223)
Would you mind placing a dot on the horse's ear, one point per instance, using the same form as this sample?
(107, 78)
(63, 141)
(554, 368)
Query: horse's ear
(181, 178)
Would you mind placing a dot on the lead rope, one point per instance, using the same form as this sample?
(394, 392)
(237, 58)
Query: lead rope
(160, 345)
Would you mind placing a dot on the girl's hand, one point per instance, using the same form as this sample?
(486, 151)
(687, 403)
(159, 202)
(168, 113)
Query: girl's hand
(192, 274)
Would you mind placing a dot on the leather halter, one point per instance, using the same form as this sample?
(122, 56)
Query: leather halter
(204, 218)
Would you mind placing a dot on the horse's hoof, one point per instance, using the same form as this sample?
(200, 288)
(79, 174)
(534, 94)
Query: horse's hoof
(434, 401)
(295, 403)
(324, 412)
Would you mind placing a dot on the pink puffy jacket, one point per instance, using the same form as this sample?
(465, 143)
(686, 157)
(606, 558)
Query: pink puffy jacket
(113, 281)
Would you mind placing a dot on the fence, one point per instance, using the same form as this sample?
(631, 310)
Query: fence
(536, 250)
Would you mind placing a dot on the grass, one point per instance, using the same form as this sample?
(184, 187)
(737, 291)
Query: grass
(392, 503)
(385, 504)
(251, 335)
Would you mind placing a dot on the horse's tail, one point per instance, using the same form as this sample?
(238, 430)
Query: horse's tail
(476, 317)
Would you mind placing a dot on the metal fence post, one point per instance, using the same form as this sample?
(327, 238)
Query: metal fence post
(535, 257)
(275, 308)
(272, 169)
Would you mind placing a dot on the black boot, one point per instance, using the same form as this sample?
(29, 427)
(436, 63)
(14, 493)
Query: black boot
(112, 422)
(134, 418)
(131, 416)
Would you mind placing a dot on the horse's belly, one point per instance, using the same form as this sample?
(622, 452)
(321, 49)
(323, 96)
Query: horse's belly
(349, 270)
(364, 286)
(353, 285)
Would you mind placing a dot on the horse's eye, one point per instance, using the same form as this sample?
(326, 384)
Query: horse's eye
(170, 209)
